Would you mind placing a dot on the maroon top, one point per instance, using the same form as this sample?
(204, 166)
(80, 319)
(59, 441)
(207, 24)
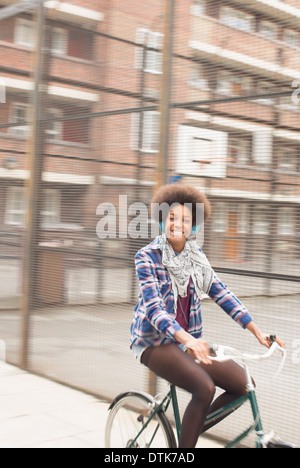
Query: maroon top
(183, 309)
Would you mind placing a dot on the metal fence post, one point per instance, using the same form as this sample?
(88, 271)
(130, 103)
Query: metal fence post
(165, 106)
(34, 183)
(165, 98)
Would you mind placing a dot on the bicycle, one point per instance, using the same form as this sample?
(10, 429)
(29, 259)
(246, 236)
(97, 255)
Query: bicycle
(138, 420)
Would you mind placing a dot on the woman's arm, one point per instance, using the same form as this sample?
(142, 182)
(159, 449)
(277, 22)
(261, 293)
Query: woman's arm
(237, 311)
(262, 337)
(225, 298)
(199, 349)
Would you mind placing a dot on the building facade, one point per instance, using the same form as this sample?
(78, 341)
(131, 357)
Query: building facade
(106, 61)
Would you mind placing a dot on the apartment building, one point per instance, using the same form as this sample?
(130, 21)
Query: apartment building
(250, 49)
(244, 153)
(245, 49)
(73, 80)
(106, 59)
(69, 175)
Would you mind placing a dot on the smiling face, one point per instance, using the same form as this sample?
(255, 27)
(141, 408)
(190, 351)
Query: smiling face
(178, 226)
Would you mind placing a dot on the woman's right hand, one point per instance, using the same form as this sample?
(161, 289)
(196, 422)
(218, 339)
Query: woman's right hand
(199, 350)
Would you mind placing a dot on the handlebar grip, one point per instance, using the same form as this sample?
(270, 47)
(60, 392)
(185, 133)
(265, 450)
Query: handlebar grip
(272, 339)
(213, 348)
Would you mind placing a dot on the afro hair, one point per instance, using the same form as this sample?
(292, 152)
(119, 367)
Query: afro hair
(180, 194)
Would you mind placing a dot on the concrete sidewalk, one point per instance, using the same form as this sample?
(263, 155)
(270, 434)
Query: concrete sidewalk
(39, 413)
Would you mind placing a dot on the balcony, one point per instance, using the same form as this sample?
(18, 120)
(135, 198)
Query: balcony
(247, 109)
(70, 68)
(283, 10)
(65, 11)
(14, 57)
(248, 51)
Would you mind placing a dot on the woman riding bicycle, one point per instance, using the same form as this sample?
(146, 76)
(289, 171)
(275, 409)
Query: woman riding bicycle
(173, 273)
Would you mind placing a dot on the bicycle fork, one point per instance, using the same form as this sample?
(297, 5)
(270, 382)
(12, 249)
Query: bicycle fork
(256, 415)
(174, 400)
(257, 426)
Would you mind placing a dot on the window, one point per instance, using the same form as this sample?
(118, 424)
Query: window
(260, 220)
(150, 132)
(20, 115)
(15, 206)
(51, 207)
(262, 147)
(291, 37)
(25, 36)
(54, 129)
(24, 33)
(243, 219)
(78, 130)
(269, 30)
(198, 77)
(220, 217)
(80, 43)
(287, 159)
(265, 87)
(152, 61)
(239, 151)
(237, 19)
(286, 221)
(198, 7)
(231, 84)
(237, 219)
(59, 41)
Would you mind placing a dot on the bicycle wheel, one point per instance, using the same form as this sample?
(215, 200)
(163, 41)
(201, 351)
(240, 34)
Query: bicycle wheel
(127, 427)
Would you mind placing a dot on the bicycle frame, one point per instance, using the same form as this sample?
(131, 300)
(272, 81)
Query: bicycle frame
(222, 412)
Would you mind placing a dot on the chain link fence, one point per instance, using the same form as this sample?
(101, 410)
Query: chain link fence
(101, 103)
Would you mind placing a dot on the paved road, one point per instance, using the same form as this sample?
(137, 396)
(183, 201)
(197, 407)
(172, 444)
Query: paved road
(87, 347)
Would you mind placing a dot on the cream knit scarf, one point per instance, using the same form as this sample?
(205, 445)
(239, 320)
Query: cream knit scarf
(191, 262)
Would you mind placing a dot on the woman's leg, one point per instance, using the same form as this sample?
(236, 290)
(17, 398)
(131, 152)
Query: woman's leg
(230, 377)
(175, 366)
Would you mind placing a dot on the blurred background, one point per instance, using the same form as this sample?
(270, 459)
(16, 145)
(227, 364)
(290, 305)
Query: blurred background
(106, 98)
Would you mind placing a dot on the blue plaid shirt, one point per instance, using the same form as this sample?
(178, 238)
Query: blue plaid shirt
(154, 321)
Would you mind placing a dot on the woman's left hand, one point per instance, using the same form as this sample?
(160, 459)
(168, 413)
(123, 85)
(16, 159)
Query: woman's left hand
(265, 341)
(262, 337)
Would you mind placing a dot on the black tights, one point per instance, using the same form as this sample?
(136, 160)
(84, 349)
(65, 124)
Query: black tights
(178, 368)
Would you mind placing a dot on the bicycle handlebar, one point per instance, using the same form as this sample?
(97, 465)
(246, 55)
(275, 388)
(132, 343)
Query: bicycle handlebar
(220, 351)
